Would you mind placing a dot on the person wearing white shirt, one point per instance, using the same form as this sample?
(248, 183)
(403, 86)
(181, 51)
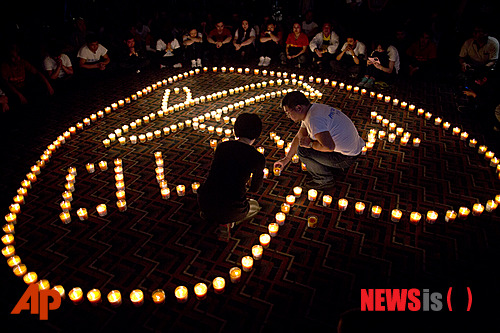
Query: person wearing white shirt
(57, 64)
(324, 45)
(351, 58)
(93, 57)
(168, 49)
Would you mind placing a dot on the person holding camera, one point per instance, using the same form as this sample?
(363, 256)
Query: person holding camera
(382, 64)
(270, 40)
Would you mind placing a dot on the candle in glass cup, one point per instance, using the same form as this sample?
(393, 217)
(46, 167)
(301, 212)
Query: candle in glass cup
(280, 218)
(200, 290)
(195, 186)
(103, 165)
(437, 121)
(431, 217)
(415, 217)
(463, 213)
(297, 190)
(312, 194)
(359, 207)
(446, 125)
(290, 199)
(273, 229)
(137, 297)
(376, 211)
(30, 278)
(82, 214)
(416, 142)
(76, 295)
(264, 240)
(9, 228)
(491, 205)
(472, 143)
(235, 274)
(181, 190)
(477, 209)
(115, 298)
(9, 251)
(65, 217)
(8, 239)
(102, 210)
(122, 205)
(219, 283)
(19, 269)
(450, 216)
(65, 206)
(266, 172)
(247, 263)
(342, 204)
(94, 296)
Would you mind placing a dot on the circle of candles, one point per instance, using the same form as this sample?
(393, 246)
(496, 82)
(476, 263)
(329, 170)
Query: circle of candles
(280, 218)
(114, 298)
(450, 216)
(376, 211)
(219, 284)
(65, 217)
(247, 263)
(9, 251)
(158, 296)
(30, 278)
(102, 210)
(312, 194)
(415, 217)
(273, 229)
(60, 290)
(76, 295)
(257, 251)
(8, 239)
(137, 297)
(463, 213)
(200, 290)
(431, 216)
(94, 296)
(477, 209)
(19, 270)
(297, 190)
(342, 204)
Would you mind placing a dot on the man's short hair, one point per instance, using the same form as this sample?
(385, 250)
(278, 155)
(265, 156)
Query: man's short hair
(248, 125)
(91, 38)
(294, 98)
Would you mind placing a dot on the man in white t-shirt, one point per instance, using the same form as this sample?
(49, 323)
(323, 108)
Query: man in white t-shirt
(351, 57)
(57, 64)
(168, 48)
(93, 56)
(326, 142)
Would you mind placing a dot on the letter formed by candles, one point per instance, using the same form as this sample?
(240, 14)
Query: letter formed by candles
(38, 301)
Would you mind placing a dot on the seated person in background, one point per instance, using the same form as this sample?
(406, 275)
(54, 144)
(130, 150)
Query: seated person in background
(131, 57)
(169, 51)
(382, 65)
(4, 101)
(193, 46)
(57, 64)
(327, 140)
(478, 53)
(244, 41)
(296, 48)
(218, 43)
(19, 76)
(93, 57)
(323, 46)
(351, 58)
(222, 198)
(270, 40)
(309, 27)
(421, 56)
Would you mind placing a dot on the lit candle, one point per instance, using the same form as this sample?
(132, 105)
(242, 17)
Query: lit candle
(30, 278)
(137, 297)
(312, 194)
(266, 172)
(103, 165)
(363, 91)
(60, 290)
(415, 217)
(181, 190)
(376, 211)
(273, 229)
(403, 105)
(122, 205)
(195, 186)
(395, 102)
(327, 200)
(65, 217)
(247, 263)
(235, 274)
(477, 209)
(391, 137)
(19, 270)
(76, 295)
(14, 261)
(165, 193)
(341, 85)
(437, 121)
(379, 97)
(411, 107)
(8, 251)
(219, 284)
(277, 171)
(494, 162)
(8, 239)
(482, 150)
(65, 206)
(416, 142)
(290, 199)
(464, 136)
(432, 217)
(280, 218)
(489, 155)
(43, 284)
(446, 125)
(463, 213)
(342, 204)
(472, 143)
(264, 240)
(491, 205)
(450, 216)
(82, 214)
(456, 130)
(200, 290)
(359, 207)
(94, 296)
(297, 190)
(102, 210)
(115, 298)
(9, 228)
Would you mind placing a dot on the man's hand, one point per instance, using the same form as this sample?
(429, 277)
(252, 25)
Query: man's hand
(218, 44)
(465, 67)
(319, 53)
(280, 164)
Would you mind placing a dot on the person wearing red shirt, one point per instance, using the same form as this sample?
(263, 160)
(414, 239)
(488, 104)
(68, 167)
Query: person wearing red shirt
(219, 40)
(296, 48)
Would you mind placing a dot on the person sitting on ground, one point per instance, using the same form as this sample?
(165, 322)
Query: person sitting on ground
(131, 57)
(244, 41)
(193, 46)
(19, 76)
(296, 48)
(382, 65)
(4, 101)
(422, 55)
(223, 196)
(93, 57)
(351, 58)
(327, 140)
(218, 42)
(309, 27)
(169, 51)
(323, 46)
(57, 64)
(270, 40)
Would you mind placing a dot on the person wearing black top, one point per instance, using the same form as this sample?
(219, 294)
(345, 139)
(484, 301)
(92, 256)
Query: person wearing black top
(222, 198)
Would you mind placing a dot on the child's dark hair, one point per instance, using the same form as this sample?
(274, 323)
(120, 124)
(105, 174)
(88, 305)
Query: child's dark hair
(248, 125)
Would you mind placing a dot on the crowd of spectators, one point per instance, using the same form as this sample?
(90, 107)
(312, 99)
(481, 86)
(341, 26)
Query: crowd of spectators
(360, 40)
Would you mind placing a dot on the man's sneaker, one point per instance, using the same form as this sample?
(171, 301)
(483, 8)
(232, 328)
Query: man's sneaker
(261, 61)
(362, 82)
(369, 83)
(178, 65)
(267, 61)
(193, 63)
(198, 62)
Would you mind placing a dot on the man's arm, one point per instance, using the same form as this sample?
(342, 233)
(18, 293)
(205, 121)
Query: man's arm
(301, 133)
(324, 142)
